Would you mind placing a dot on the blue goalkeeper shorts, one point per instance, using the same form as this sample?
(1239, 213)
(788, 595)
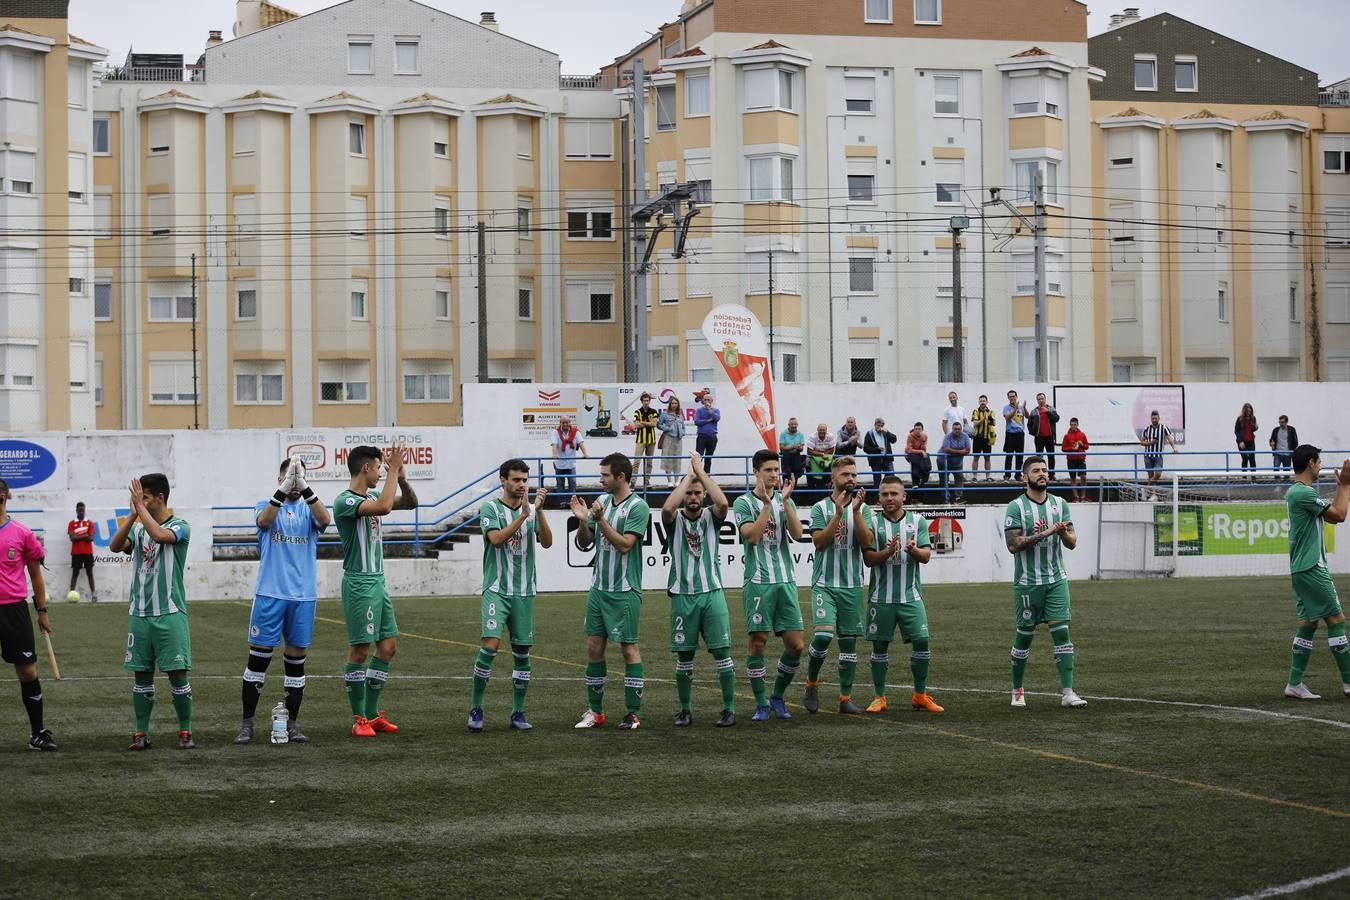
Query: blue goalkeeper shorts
(272, 619)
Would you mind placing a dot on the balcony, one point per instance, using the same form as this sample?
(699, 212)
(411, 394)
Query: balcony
(608, 82)
(173, 74)
(1334, 98)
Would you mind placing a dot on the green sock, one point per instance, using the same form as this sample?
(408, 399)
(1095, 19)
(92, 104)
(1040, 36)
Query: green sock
(1021, 652)
(819, 649)
(182, 702)
(520, 677)
(726, 676)
(1063, 654)
(632, 687)
(919, 657)
(376, 676)
(755, 671)
(848, 664)
(354, 675)
(595, 686)
(1340, 651)
(787, 669)
(1302, 652)
(881, 662)
(143, 699)
(684, 679)
(482, 671)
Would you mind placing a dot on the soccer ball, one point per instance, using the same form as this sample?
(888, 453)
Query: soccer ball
(73, 597)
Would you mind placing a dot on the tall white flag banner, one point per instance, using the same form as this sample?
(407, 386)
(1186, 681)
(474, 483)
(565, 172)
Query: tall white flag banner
(735, 335)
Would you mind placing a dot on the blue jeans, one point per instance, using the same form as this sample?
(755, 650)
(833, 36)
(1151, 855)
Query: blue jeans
(1284, 460)
(567, 479)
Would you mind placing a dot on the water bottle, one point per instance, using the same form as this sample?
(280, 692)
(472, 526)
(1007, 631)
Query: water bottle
(281, 718)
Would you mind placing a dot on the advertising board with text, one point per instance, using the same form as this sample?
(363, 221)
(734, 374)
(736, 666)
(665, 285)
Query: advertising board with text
(325, 452)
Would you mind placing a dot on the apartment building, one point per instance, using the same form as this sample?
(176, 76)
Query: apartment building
(1221, 210)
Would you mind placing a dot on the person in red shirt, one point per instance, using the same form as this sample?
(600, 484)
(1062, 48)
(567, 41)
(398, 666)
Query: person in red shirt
(1075, 449)
(81, 533)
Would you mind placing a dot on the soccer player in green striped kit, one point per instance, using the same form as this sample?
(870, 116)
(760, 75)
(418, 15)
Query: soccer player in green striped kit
(511, 525)
(768, 522)
(1037, 529)
(615, 524)
(840, 528)
(157, 628)
(693, 514)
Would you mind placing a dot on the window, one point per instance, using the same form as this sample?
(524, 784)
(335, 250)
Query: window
(697, 98)
(102, 137)
(588, 140)
(260, 381)
(862, 275)
(103, 301)
(1187, 74)
(171, 301)
(771, 178)
(79, 177)
(245, 300)
(77, 85)
(246, 224)
(18, 171)
(665, 107)
(1026, 360)
(440, 149)
(356, 138)
(1222, 302)
(1136, 370)
(589, 300)
(245, 134)
(877, 11)
(103, 215)
(1338, 369)
(770, 87)
(360, 311)
(1124, 302)
(946, 95)
(1120, 226)
(1122, 162)
(171, 382)
(18, 365)
(1024, 273)
(441, 217)
(590, 220)
(356, 216)
(79, 271)
(405, 56)
(699, 173)
(947, 174)
(360, 54)
(524, 138)
(344, 381)
(860, 94)
(160, 214)
(1207, 369)
(1053, 85)
(1034, 95)
(1293, 303)
(861, 188)
(98, 382)
(18, 271)
(786, 272)
(1145, 73)
(1338, 304)
(521, 371)
(442, 299)
(524, 207)
(1338, 227)
(525, 299)
(1336, 154)
(789, 367)
(427, 380)
(862, 369)
(697, 265)
(18, 78)
(160, 129)
(927, 12)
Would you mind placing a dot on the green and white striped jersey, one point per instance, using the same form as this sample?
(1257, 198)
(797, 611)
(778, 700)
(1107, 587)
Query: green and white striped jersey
(840, 565)
(614, 571)
(770, 560)
(1043, 563)
(157, 570)
(509, 568)
(1307, 529)
(897, 580)
(362, 548)
(695, 558)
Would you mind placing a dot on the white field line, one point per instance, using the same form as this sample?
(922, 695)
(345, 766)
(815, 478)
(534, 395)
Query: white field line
(1294, 887)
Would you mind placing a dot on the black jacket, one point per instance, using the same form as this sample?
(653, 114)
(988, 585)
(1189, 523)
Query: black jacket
(1293, 437)
(1034, 422)
(874, 448)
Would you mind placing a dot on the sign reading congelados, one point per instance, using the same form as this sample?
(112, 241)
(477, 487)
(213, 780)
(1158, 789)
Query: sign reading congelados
(325, 452)
(1227, 529)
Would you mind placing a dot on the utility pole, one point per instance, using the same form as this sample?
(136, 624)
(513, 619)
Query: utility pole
(638, 370)
(626, 207)
(482, 303)
(196, 394)
(1042, 312)
(958, 225)
(772, 373)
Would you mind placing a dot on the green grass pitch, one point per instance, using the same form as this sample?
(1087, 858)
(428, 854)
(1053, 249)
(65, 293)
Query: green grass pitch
(1222, 790)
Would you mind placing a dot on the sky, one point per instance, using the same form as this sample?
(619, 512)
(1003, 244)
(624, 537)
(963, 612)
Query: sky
(1295, 30)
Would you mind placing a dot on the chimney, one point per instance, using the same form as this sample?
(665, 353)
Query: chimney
(213, 39)
(1131, 15)
(489, 20)
(1116, 19)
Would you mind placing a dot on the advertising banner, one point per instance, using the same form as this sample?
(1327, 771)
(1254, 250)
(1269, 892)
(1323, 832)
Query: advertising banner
(325, 452)
(1119, 413)
(38, 462)
(1229, 529)
(735, 336)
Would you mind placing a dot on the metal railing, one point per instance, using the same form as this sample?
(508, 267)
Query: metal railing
(154, 73)
(1333, 98)
(608, 82)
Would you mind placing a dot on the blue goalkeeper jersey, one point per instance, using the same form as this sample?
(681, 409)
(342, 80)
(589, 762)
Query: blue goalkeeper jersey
(288, 553)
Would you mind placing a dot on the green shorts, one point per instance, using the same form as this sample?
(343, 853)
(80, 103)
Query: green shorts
(772, 607)
(695, 614)
(614, 614)
(513, 614)
(840, 608)
(367, 608)
(1034, 604)
(1315, 594)
(162, 640)
(882, 619)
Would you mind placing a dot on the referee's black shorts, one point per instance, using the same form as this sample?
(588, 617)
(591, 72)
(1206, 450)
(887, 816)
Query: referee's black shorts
(16, 634)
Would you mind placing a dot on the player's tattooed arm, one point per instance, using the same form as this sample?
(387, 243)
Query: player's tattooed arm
(407, 497)
(1019, 541)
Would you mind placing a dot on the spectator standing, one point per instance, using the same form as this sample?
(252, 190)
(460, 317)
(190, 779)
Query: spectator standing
(1244, 430)
(792, 446)
(820, 449)
(955, 413)
(847, 438)
(670, 444)
(916, 453)
(1283, 440)
(644, 428)
(1075, 451)
(984, 431)
(81, 533)
(1152, 440)
(1014, 437)
(706, 418)
(1042, 422)
(878, 444)
(565, 443)
(951, 461)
